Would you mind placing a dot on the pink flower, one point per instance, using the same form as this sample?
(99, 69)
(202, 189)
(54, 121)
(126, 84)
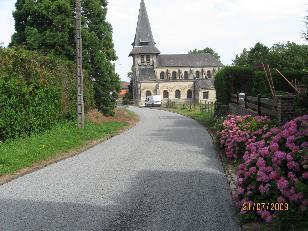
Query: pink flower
(274, 175)
(274, 147)
(240, 190)
(281, 199)
(292, 165)
(264, 188)
(305, 176)
(261, 162)
(282, 184)
(253, 170)
(292, 177)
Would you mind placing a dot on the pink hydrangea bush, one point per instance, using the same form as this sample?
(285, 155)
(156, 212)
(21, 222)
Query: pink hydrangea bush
(237, 131)
(275, 170)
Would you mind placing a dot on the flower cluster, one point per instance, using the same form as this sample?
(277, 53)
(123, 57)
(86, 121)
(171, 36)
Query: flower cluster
(237, 131)
(275, 168)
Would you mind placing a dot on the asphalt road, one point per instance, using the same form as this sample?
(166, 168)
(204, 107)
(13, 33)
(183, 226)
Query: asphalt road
(161, 175)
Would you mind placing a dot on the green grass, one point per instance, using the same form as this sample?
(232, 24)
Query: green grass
(25, 152)
(206, 118)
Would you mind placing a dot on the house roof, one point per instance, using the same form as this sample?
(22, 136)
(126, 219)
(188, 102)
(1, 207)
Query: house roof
(188, 60)
(205, 83)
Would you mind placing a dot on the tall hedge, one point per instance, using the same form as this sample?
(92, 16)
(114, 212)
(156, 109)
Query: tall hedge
(36, 91)
(232, 79)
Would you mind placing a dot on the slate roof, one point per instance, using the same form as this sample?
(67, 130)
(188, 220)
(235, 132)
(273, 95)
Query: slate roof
(205, 83)
(188, 60)
(144, 50)
(143, 34)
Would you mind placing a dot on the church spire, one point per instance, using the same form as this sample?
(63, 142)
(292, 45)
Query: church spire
(144, 36)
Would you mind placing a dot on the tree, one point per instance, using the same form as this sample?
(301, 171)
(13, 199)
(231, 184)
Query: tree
(205, 50)
(282, 56)
(131, 84)
(49, 26)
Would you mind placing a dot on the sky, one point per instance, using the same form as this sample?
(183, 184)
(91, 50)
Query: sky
(227, 26)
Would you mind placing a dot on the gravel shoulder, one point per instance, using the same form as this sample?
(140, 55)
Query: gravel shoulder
(162, 174)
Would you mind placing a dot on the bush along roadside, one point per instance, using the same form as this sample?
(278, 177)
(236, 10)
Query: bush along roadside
(272, 179)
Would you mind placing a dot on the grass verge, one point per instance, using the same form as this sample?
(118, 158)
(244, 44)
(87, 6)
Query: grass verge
(24, 155)
(206, 118)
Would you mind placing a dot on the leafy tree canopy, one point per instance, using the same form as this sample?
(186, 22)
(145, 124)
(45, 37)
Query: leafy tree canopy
(205, 50)
(281, 56)
(49, 26)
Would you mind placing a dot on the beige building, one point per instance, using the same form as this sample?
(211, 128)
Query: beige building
(181, 78)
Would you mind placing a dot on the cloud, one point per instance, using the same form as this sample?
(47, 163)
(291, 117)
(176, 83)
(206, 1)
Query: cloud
(6, 20)
(227, 26)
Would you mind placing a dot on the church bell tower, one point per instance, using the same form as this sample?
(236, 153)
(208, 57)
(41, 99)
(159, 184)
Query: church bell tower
(144, 52)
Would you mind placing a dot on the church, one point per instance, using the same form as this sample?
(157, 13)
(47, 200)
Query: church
(181, 78)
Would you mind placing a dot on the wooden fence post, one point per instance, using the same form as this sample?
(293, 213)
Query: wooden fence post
(245, 100)
(237, 98)
(259, 104)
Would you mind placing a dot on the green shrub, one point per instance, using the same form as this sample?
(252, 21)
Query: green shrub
(231, 80)
(36, 91)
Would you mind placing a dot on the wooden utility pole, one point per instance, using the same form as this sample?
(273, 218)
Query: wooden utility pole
(79, 73)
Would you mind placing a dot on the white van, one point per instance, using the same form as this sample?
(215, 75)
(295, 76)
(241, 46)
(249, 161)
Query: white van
(153, 100)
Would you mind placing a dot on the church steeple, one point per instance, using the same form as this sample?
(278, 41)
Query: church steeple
(144, 41)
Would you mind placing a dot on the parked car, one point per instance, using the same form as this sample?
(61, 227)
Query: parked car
(153, 100)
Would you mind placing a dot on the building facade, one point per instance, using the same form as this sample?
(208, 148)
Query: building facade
(181, 78)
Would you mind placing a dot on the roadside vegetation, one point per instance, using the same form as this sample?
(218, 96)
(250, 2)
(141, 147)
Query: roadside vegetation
(62, 140)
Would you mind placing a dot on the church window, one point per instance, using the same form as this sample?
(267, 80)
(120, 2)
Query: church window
(148, 59)
(174, 75)
(189, 94)
(185, 74)
(162, 75)
(166, 94)
(148, 93)
(209, 74)
(142, 59)
(206, 95)
(177, 94)
(197, 74)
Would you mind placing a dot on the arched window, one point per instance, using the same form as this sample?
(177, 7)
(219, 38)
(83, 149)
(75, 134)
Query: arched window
(197, 74)
(177, 94)
(148, 93)
(209, 74)
(165, 94)
(185, 74)
(162, 75)
(174, 75)
(189, 94)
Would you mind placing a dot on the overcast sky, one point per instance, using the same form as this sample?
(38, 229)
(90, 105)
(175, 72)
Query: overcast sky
(178, 26)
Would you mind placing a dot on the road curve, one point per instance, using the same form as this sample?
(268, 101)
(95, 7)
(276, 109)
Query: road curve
(161, 175)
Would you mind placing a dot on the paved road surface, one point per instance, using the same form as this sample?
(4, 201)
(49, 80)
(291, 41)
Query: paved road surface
(161, 175)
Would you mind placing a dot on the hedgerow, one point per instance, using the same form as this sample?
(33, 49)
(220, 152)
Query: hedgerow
(36, 92)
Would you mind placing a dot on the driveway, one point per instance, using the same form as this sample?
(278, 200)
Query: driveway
(161, 175)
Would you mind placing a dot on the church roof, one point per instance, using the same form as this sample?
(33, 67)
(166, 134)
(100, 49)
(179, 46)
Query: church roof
(144, 41)
(144, 50)
(188, 60)
(205, 83)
